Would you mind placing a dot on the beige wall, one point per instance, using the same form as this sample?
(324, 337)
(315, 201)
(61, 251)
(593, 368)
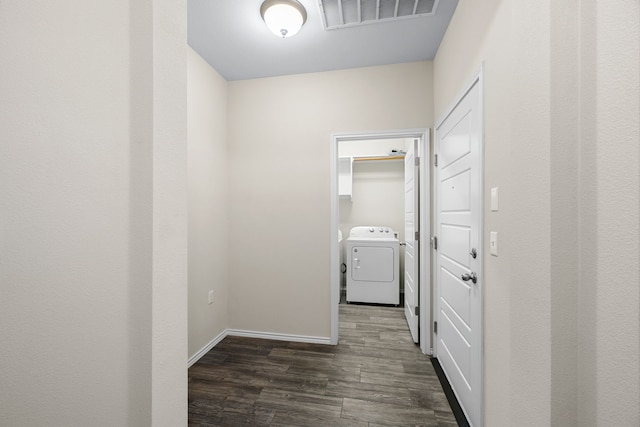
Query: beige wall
(609, 272)
(92, 213)
(279, 162)
(561, 143)
(208, 218)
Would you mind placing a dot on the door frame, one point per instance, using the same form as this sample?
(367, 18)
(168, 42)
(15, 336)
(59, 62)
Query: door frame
(424, 287)
(478, 79)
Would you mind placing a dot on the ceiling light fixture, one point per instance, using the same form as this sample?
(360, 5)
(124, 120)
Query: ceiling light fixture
(283, 17)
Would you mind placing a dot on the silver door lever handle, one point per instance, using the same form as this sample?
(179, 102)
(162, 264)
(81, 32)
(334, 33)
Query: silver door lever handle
(466, 277)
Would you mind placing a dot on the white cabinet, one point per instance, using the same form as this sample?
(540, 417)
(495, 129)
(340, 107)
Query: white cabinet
(345, 177)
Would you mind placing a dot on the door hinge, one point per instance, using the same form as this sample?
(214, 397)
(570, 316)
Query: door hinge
(417, 310)
(435, 160)
(417, 236)
(434, 242)
(417, 161)
(435, 327)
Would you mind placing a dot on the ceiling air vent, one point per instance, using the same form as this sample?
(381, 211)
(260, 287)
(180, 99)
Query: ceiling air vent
(348, 13)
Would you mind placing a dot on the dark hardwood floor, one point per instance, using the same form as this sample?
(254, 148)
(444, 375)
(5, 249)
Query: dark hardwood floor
(375, 376)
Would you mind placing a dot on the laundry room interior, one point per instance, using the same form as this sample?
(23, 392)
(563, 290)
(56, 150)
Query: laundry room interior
(371, 195)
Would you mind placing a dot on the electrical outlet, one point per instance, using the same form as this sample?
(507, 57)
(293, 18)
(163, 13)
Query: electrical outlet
(493, 243)
(210, 297)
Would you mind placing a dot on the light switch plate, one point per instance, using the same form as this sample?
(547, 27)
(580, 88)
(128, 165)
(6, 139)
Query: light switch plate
(494, 199)
(493, 243)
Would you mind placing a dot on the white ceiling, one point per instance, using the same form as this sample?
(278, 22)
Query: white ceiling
(231, 36)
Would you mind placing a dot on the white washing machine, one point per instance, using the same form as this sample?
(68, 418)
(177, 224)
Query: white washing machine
(372, 255)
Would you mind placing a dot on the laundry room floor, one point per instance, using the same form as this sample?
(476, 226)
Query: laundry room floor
(376, 376)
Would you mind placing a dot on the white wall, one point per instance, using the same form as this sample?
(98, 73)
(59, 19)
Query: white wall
(372, 148)
(208, 218)
(378, 197)
(561, 132)
(279, 161)
(92, 213)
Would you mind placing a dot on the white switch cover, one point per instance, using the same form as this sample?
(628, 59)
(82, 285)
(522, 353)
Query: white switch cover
(494, 199)
(210, 297)
(493, 243)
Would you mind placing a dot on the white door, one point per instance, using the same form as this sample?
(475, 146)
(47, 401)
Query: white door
(459, 255)
(411, 263)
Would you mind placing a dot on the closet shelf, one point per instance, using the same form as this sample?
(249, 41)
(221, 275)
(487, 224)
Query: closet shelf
(360, 159)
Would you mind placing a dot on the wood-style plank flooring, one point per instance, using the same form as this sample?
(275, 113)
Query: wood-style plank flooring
(375, 376)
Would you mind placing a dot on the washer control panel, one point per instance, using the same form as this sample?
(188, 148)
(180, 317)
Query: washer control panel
(372, 232)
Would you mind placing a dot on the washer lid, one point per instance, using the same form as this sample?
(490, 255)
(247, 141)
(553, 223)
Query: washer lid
(372, 232)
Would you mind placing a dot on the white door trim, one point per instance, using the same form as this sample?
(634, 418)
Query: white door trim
(478, 79)
(425, 248)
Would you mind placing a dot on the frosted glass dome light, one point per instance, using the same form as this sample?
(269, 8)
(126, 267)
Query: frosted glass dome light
(284, 18)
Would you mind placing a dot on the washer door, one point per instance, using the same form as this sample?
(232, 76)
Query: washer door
(372, 264)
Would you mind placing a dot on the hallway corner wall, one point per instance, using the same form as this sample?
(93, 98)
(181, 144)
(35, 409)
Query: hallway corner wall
(208, 206)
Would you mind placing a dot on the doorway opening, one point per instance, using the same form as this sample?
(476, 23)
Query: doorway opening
(387, 149)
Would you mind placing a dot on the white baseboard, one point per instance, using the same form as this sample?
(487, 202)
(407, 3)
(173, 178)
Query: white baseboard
(279, 337)
(204, 350)
(255, 334)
